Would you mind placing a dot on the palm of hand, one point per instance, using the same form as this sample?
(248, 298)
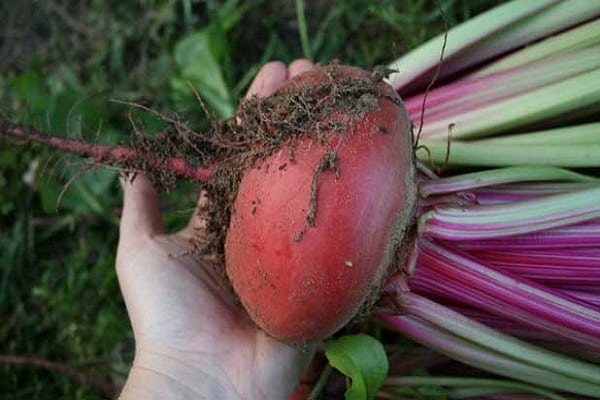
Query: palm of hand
(188, 328)
(190, 335)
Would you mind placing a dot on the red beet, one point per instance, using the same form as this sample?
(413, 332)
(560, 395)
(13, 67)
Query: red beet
(312, 237)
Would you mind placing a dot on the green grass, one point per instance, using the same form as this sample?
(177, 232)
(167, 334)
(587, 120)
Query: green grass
(61, 65)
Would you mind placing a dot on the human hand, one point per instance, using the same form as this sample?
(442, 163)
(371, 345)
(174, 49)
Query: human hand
(192, 340)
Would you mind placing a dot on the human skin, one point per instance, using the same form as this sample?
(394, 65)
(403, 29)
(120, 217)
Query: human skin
(193, 341)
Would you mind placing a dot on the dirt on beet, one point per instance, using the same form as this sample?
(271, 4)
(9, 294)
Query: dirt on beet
(263, 125)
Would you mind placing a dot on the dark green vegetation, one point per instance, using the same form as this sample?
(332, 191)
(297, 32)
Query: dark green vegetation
(62, 65)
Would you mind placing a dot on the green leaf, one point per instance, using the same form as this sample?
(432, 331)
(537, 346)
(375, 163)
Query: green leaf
(30, 87)
(361, 358)
(86, 193)
(198, 65)
(73, 113)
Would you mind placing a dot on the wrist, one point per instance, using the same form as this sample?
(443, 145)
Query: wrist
(158, 376)
(161, 371)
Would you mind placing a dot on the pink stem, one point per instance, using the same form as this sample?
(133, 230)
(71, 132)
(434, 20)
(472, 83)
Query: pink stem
(121, 155)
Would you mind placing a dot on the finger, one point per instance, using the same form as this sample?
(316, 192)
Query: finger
(299, 66)
(268, 80)
(196, 227)
(141, 212)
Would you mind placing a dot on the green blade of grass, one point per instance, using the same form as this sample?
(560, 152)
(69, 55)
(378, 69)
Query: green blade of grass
(303, 30)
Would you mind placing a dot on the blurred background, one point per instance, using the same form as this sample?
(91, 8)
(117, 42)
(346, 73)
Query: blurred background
(66, 67)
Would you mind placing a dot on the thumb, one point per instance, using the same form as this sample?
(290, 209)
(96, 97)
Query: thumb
(141, 212)
(270, 77)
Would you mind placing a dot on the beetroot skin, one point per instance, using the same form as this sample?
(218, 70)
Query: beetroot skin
(314, 229)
